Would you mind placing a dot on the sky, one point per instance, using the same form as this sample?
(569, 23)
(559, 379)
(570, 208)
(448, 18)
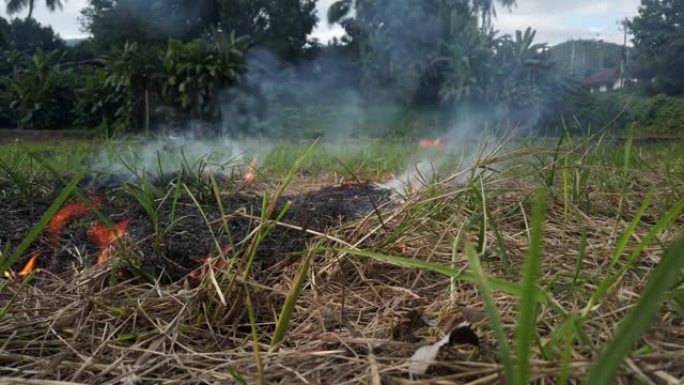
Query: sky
(555, 20)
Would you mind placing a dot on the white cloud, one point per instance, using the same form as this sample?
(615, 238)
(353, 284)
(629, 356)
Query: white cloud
(64, 22)
(559, 20)
(326, 33)
(323, 31)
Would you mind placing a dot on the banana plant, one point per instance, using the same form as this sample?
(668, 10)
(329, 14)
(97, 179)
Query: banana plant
(41, 92)
(134, 72)
(198, 70)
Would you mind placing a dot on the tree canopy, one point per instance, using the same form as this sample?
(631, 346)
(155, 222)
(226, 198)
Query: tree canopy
(215, 60)
(283, 26)
(659, 44)
(28, 36)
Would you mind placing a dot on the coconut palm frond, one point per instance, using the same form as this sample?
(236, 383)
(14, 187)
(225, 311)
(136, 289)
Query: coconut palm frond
(53, 5)
(15, 6)
(339, 10)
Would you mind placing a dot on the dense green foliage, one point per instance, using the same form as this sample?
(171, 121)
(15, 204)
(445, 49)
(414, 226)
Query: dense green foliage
(41, 94)
(659, 42)
(660, 114)
(433, 51)
(28, 36)
(244, 67)
(197, 71)
(649, 115)
(283, 26)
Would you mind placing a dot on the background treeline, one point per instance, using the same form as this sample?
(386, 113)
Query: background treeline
(404, 67)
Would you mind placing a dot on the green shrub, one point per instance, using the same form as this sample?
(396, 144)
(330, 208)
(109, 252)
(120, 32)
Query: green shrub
(582, 110)
(132, 72)
(41, 94)
(97, 103)
(656, 115)
(197, 70)
(660, 114)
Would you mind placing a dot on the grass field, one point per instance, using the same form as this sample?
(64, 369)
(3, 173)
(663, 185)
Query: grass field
(565, 258)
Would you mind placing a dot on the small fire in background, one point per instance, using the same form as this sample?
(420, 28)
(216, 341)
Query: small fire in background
(29, 267)
(105, 237)
(68, 212)
(251, 169)
(430, 144)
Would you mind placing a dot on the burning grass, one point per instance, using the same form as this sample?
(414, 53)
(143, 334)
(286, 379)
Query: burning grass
(367, 285)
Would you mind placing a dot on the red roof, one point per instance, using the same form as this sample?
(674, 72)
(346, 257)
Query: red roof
(604, 76)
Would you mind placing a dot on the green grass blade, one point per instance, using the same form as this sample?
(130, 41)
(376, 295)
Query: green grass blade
(607, 283)
(42, 223)
(627, 235)
(290, 301)
(527, 311)
(566, 188)
(640, 317)
(255, 337)
(224, 218)
(556, 153)
(568, 332)
(76, 191)
(495, 283)
(492, 313)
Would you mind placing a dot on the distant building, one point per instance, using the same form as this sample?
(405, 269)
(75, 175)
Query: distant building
(582, 58)
(605, 80)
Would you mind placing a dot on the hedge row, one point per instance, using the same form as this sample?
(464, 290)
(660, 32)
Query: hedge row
(654, 115)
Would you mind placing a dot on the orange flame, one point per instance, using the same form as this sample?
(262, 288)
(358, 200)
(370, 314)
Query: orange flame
(437, 144)
(72, 210)
(29, 267)
(249, 176)
(105, 237)
(195, 273)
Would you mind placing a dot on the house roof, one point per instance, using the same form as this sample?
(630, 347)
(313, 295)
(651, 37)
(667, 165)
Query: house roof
(604, 76)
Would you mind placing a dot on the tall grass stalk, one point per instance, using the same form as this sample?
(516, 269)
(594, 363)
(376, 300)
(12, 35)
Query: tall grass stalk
(6, 261)
(527, 309)
(492, 313)
(497, 284)
(629, 232)
(613, 278)
(640, 317)
(255, 338)
(567, 196)
(454, 261)
(569, 336)
(287, 310)
(624, 180)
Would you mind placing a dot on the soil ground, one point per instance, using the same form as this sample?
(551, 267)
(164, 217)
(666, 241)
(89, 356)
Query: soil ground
(189, 240)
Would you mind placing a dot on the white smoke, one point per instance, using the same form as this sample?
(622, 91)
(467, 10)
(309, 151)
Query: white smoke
(172, 153)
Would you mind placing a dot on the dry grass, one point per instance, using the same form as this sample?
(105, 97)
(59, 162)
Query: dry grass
(359, 320)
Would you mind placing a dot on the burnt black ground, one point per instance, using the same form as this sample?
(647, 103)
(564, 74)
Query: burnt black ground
(174, 251)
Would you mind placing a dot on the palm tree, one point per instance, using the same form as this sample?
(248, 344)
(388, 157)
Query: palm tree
(16, 6)
(341, 9)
